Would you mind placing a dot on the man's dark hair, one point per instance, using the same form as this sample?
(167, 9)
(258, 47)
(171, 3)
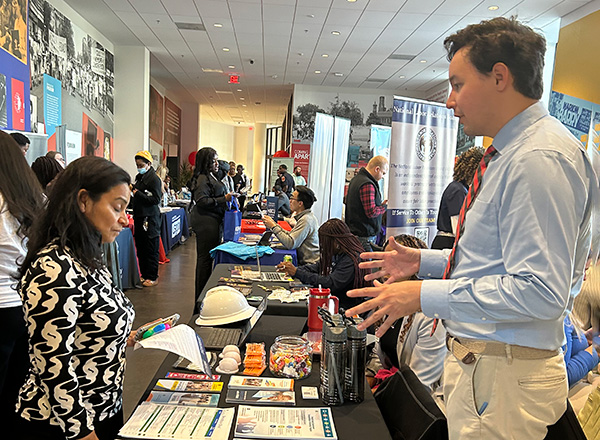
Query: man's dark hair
(21, 139)
(306, 196)
(504, 40)
(283, 166)
(277, 188)
(63, 220)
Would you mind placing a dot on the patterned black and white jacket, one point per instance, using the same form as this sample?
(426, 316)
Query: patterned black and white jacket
(78, 325)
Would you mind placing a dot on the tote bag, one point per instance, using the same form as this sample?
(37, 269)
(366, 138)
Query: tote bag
(232, 223)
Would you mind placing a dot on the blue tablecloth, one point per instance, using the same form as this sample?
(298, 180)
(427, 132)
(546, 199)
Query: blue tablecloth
(266, 260)
(174, 226)
(128, 266)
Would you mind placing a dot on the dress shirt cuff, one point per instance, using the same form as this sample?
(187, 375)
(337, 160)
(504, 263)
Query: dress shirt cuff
(435, 296)
(433, 263)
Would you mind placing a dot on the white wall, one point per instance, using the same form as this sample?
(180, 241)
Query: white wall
(218, 136)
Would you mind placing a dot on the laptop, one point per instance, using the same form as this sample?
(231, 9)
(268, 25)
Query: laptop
(216, 338)
(259, 275)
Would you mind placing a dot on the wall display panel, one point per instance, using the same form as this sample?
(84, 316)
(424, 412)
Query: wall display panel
(156, 116)
(84, 67)
(14, 70)
(94, 140)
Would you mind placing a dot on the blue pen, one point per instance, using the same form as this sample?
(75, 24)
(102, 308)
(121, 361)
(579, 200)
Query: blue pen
(482, 409)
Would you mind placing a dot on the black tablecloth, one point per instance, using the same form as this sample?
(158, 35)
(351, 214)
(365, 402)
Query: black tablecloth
(273, 307)
(352, 421)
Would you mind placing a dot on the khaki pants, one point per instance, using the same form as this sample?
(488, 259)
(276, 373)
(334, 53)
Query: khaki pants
(498, 398)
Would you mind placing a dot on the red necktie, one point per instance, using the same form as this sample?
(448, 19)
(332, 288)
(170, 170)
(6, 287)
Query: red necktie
(471, 195)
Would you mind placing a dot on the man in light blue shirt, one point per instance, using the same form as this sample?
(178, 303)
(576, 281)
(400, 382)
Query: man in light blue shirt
(520, 260)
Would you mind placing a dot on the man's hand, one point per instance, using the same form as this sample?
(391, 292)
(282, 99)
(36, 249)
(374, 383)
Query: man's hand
(269, 222)
(287, 267)
(399, 263)
(391, 300)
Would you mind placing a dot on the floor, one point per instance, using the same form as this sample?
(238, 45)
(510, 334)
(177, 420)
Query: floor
(173, 294)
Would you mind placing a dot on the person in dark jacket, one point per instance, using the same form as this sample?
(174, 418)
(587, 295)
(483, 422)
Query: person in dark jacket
(285, 180)
(365, 206)
(337, 268)
(147, 192)
(210, 198)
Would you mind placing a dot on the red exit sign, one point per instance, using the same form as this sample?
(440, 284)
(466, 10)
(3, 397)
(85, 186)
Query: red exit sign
(234, 79)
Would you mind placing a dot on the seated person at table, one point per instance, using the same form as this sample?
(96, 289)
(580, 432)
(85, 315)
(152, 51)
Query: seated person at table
(580, 356)
(337, 269)
(284, 201)
(409, 341)
(304, 236)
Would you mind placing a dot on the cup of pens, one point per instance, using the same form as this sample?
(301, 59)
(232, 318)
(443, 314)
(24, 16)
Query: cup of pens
(320, 297)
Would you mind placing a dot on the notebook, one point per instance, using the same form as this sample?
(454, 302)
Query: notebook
(216, 338)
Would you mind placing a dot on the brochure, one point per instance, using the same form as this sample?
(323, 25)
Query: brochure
(156, 421)
(261, 397)
(191, 376)
(260, 383)
(189, 386)
(285, 423)
(186, 399)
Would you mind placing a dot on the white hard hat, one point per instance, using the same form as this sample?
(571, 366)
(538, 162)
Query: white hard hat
(224, 305)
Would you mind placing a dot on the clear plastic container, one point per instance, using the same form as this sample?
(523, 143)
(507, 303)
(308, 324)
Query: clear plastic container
(290, 356)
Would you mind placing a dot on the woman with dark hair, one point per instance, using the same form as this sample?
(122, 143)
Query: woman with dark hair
(410, 341)
(454, 196)
(210, 198)
(337, 268)
(147, 193)
(21, 201)
(78, 323)
(46, 169)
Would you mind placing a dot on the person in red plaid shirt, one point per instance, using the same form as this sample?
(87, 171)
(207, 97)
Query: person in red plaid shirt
(364, 205)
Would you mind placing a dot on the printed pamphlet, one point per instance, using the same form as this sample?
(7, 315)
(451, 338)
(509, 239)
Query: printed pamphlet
(260, 383)
(156, 421)
(261, 397)
(285, 423)
(191, 376)
(187, 399)
(189, 386)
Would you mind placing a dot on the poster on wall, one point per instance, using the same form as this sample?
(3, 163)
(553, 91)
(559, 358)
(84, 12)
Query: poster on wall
(14, 71)
(276, 162)
(73, 143)
(52, 104)
(172, 139)
(92, 139)
(301, 156)
(156, 116)
(574, 113)
(83, 67)
(421, 165)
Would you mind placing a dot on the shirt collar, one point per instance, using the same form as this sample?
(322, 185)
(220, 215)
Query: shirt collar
(518, 125)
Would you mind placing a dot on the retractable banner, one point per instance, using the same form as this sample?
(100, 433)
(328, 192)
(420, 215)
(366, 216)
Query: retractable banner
(422, 154)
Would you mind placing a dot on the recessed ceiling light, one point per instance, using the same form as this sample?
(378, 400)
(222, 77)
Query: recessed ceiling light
(423, 61)
(239, 90)
(401, 77)
(274, 76)
(311, 15)
(325, 55)
(338, 74)
(351, 1)
(317, 71)
(242, 99)
(300, 53)
(244, 105)
(218, 25)
(494, 8)
(335, 32)
(225, 49)
(231, 66)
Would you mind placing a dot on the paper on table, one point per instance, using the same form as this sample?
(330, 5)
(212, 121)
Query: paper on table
(178, 422)
(181, 340)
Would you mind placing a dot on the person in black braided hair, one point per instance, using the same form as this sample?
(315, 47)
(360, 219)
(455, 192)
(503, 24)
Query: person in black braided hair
(337, 268)
(408, 342)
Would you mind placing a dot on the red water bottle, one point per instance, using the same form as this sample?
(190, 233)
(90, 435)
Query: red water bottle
(320, 298)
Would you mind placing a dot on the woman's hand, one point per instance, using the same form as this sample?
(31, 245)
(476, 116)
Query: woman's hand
(228, 196)
(269, 222)
(91, 436)
(287, 267)
(130, 339)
